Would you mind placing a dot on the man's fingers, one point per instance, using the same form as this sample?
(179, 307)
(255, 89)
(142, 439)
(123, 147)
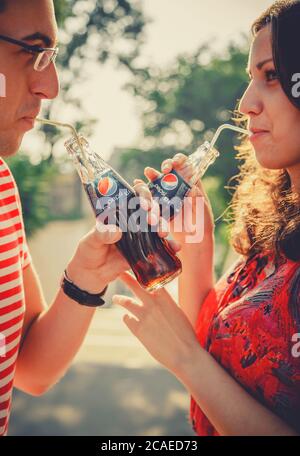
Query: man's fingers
(175, 246)
(144, 193)
(164, 227)
(105, 234)
(154, 214)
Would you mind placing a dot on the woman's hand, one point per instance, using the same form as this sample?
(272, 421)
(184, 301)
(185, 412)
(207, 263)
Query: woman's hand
(159, 324)
(178, 162)
(197, 249)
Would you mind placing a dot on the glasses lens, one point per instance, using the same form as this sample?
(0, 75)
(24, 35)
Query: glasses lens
(44, 59)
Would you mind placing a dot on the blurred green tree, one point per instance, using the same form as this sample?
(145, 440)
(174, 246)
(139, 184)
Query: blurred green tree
(95, 30)
(34, 184)
(182, 106)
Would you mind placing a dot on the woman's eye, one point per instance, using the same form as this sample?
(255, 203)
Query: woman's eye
(271, 75)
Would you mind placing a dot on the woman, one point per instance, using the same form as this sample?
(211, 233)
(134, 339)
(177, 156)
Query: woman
(233, 343)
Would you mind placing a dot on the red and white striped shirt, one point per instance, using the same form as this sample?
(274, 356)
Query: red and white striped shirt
(14, 258)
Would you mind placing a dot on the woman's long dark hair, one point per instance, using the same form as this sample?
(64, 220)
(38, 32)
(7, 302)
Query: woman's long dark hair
(265, 212)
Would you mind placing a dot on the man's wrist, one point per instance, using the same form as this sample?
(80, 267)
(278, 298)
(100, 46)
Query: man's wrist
(85, 278)
(81, 296)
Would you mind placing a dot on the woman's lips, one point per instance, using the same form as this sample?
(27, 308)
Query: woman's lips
(257, 134)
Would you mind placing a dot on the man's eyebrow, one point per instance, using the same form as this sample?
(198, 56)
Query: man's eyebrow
(39, 36)
(259, 65)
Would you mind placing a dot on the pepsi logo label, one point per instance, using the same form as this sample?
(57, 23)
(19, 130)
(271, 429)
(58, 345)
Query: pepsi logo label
(107, 186)
(169, 182)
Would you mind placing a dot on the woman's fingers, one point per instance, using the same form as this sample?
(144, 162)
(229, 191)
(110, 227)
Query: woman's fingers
(131, 323)
(129, 304)
(177, 162)
(131, 282)
(179, 159)
(145, 296)
(167, 165)
(151, 173)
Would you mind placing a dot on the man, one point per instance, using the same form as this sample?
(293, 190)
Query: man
(40, 342)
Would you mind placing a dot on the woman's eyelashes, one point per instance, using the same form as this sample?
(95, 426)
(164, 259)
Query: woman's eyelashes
(268, 75)
(271, 75)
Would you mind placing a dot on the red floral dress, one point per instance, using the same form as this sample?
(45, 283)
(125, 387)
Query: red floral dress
(250, 323)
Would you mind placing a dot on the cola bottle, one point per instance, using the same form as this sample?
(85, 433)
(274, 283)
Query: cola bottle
(151, 259)
(170, 189)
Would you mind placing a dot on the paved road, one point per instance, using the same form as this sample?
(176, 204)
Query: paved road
(114, 388)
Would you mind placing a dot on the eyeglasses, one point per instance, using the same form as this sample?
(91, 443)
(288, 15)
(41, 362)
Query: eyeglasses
(44, 55)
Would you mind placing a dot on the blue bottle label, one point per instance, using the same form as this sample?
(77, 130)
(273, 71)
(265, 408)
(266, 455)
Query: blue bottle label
(169, 190)
(107, 192)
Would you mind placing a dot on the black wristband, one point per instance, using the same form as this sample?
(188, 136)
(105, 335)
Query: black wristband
(81, 296)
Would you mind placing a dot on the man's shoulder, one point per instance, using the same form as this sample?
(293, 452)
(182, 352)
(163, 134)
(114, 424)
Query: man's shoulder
(7, 179)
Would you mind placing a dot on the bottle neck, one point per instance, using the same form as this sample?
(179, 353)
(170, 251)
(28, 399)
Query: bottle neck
(201, 159)
(88, 163)
(90, 166)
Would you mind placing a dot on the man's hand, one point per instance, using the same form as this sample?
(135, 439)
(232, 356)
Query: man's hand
(97, 260)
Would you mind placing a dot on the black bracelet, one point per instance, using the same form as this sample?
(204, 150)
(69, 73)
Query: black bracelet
(81, 296)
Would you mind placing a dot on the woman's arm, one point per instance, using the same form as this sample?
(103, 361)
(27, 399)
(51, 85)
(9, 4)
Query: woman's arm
(167, 334)
(197, 257)
(228, 406)
(197, 277)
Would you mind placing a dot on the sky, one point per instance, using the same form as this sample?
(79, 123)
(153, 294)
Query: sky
(176, 27)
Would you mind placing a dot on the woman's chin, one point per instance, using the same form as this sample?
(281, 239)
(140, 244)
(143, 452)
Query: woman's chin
(267, 159)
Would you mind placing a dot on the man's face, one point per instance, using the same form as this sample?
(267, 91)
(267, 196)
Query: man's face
(32, 21)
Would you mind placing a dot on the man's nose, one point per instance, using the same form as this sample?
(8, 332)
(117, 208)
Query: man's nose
(251, 102)
(45, 84)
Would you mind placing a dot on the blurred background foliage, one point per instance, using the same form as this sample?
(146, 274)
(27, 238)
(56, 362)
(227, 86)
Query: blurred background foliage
(88, 30)
(181, 105)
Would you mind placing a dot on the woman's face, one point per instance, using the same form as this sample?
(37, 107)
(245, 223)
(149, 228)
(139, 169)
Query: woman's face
(268, 109)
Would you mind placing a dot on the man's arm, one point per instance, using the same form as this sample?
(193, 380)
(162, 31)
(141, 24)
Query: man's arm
(51, 336)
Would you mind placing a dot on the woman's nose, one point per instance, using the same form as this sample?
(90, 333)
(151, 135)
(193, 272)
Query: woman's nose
(251, 103)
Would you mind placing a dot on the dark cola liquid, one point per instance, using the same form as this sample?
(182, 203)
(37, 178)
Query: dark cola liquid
(150, 257)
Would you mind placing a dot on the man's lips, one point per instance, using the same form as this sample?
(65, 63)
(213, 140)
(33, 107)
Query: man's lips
(28, 121)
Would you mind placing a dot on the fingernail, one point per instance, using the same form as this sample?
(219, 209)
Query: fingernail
(164, 225)
(101, 227)
(153, 219)
(166, 165)
(144, 204)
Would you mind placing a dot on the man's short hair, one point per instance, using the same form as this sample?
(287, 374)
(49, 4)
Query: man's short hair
(2, 5)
